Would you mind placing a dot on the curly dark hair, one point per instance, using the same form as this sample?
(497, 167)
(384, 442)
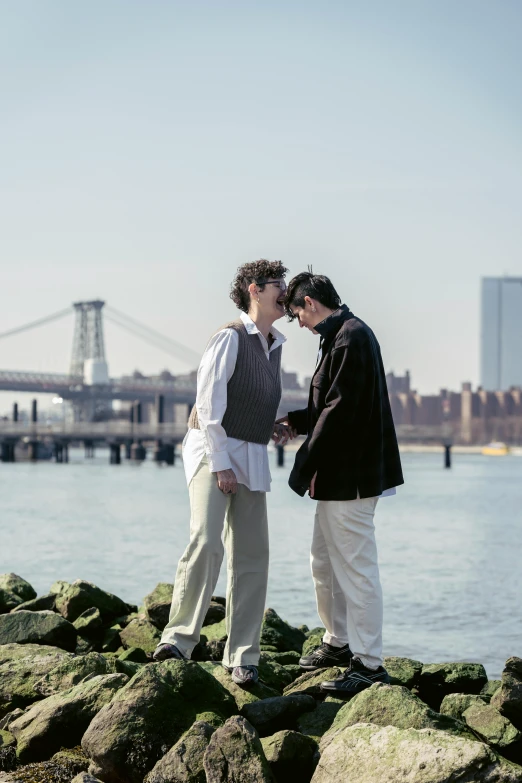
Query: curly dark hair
(317, 287)
(258, 272)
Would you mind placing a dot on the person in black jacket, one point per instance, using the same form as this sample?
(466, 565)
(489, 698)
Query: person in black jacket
(349, 460)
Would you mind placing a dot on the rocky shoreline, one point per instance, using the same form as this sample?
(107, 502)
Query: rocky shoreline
(81, 700)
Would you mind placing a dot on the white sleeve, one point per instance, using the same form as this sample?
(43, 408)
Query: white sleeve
(215, 370)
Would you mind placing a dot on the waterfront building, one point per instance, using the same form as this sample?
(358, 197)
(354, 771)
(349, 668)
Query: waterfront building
(501, 333)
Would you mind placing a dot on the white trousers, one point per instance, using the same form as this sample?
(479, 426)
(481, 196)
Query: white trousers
(346, 576)
(244, 519)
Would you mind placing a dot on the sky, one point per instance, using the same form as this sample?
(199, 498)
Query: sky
(149, 148)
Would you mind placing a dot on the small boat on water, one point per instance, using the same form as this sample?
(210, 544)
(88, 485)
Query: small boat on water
(496, 449)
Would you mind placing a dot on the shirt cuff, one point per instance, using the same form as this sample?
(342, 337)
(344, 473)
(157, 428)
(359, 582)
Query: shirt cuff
(218, 460)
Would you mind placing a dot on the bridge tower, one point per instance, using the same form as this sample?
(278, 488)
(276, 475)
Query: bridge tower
(88, 363)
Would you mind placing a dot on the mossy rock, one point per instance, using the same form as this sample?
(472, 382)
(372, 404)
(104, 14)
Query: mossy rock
(125, 740)
(277, 714)
(508, 698)
(6, 739)
(79, 596)
(291, 755)
(216, 632)
(289, 658)
(21, 667)
(495, 729)
(134, 654)
(89, 623)
(157, 604)
(489, 689)
(16, 585)
(456, 704)
(310, 682)
(279, 634)
(241, 696)
(142, 634)
(61, 720)
(70, 672)
(439, 679)
(43, 603)
(315, 724)
(37, 628)
(184, 761)
(314, 638)
(235, 753)
(403, 671)
(211, 718)
(294, 671)
(273, 674)
(394, 705)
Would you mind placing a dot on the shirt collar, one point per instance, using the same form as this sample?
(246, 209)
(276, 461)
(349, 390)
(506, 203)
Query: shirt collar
(333, 322)
(251, 328)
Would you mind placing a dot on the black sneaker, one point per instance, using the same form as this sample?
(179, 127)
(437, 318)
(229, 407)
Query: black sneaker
(355, 679)
(325, 656)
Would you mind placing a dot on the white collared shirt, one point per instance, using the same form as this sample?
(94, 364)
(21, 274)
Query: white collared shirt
(249, 461)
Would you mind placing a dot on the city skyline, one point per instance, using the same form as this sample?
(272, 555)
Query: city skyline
(148, 151)
(501, 333)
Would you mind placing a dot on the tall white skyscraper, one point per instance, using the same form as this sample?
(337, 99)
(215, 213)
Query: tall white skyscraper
(501, 334)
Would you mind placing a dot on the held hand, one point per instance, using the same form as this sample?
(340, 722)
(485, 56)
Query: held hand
(227, 481)
(292, 433)
(281, 434)
(311, 491)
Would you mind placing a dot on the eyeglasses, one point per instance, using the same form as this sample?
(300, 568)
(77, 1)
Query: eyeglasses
(279, 283)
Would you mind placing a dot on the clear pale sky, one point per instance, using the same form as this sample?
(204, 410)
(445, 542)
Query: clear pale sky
(148, 148)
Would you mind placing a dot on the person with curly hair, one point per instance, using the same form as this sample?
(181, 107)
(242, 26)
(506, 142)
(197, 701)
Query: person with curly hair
(226, 466)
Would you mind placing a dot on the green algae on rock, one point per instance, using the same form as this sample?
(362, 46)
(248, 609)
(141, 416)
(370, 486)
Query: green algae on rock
(240, 695)
(277, 713)
(310, 682)
(157, 604)
(439, 679)
(14, 584)
(184, 761)
(79, 596)
(37, 628)
(280, 634)
(70, 672)
(147, 717)
(140, 633)
(21, 667)
(62, 719)
(235, 753)
(403, 671)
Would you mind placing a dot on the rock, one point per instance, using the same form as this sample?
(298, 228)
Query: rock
(8, 762)
(212, 718)
(60, 769)
(9, 718)
(439, 679)
(215, 649)
(281, 635)
(370, 754)
(235, 754)
(278, 713)
(84, 646)
(294, 671)
(241, 696)
(111, 639)
(316, 723)
(508, 699)
(70, 672)
(310, 682)
(80, 596)
(219, 599)
(74, 758)
(314, 638)
(290, 658)
(489, 689)
(144, 720)
(85, 777)
(273, 674)
(184, 762)
(44, 602)
(134, 654)
(142, 634)
(14, 584)
(216, 632)
(215, 613)
(37, 628)
(495, 729)
(403, 671)
(6, 739)
(60, 586)
(61, 720)
(157, 604)
(393, 705)
(455, 704)
(21, 667)
(8, 601)
(89, 623)
(291, 755)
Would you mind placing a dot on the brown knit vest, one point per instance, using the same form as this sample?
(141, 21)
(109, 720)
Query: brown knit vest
(253, 391)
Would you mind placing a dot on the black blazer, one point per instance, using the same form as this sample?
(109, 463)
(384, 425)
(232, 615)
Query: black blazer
(351, 441)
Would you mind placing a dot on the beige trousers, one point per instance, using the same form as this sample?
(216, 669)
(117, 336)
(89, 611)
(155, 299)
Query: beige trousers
(346, 576)
(244, 519)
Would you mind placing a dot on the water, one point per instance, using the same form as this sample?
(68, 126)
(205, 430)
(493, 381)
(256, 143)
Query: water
(450, 545)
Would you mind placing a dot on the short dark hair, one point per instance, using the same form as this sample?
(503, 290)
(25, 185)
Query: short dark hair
(317, 287)
(258, 272)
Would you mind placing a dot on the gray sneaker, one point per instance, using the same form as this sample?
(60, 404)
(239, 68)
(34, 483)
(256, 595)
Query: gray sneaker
(245, 676)
(165, 651)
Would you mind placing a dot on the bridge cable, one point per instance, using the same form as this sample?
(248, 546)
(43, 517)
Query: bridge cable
(180, 352)
(39, 322)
